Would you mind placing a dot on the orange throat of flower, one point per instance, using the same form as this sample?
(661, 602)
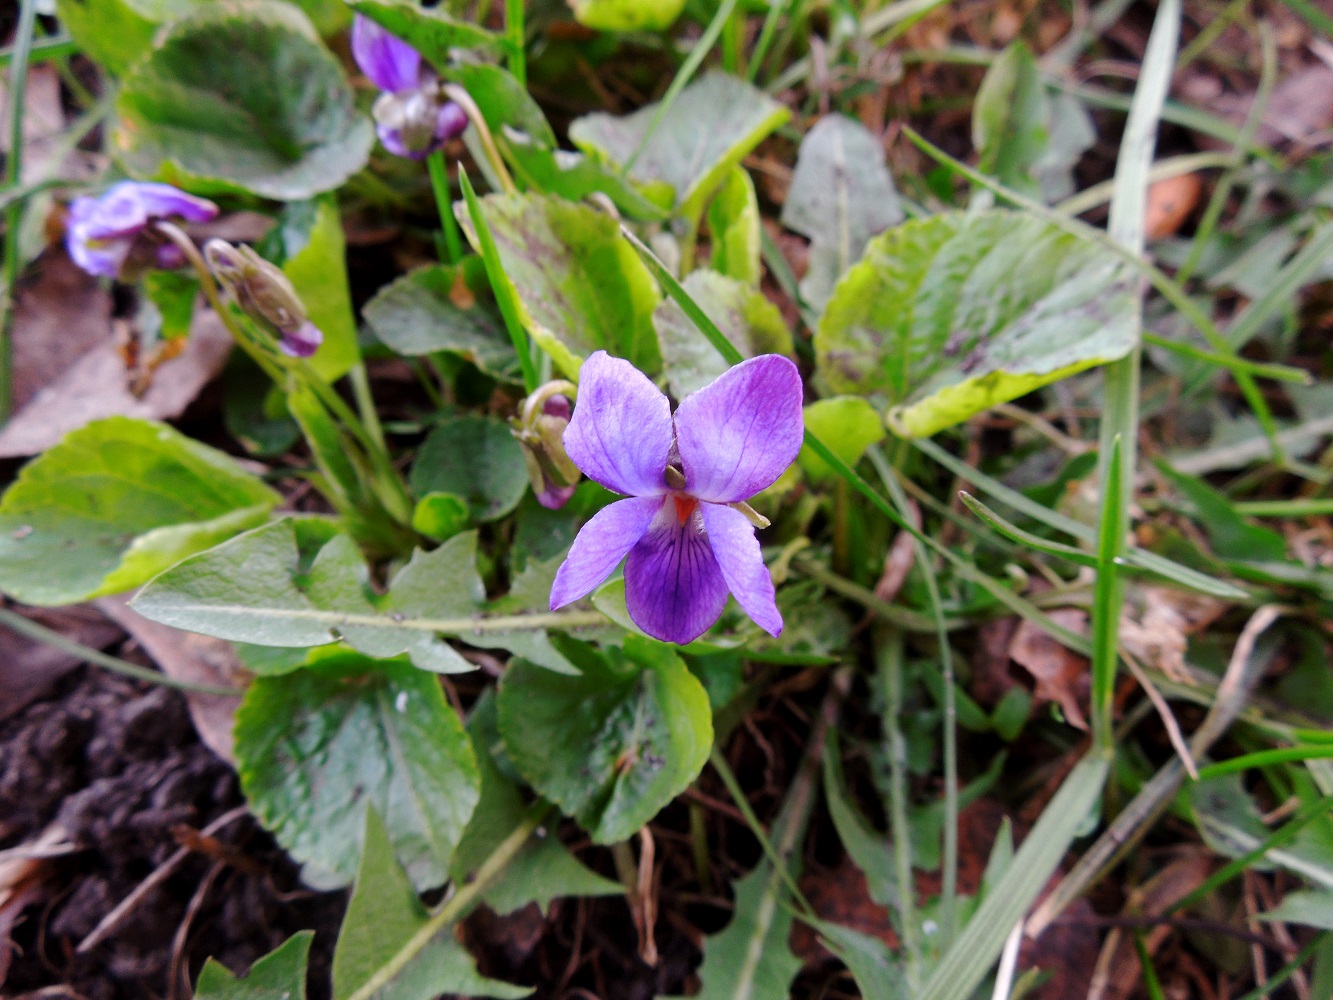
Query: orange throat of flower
(685, 506)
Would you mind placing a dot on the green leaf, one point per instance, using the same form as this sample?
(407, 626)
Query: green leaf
(714, 123)
(429, 30)
(1027, 139)
(115, 503)
(502, 100)
(947, 316)
(279, 974)
(746, 316)
(241, 97)
(173, 294)
(733, 220)
(841, 196)
(312, 252)
(750, 959)
(260, 588)
(580, 285)
(877, 972)
(475, 458)
(254, 409)
(847, 424)
(613, 745)
(443, 308)
(575, 176)
(383, 913)
(544, 869)
(627, 15)
(867, 847)
(441, 516)
(313, 746)
(1232, 536)
(111, 32)
(1312, 907)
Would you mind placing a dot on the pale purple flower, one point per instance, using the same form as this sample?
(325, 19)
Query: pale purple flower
(687, 543)
(411, 118)
(301, 341)
(104, 233)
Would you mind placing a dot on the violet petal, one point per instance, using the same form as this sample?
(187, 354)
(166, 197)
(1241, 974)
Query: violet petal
(394, 141)
(119, 212)
(554, 497)
(451, 122)
(737, 434)
(620, 435)
(162, 201)
(733, 541)
(301, 342)
(600, 546)
(674, 589)
(388, 61)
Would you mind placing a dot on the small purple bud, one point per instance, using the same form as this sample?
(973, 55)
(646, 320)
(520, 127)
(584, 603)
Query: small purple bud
(301, 342)
(540, 429)
(452, 122)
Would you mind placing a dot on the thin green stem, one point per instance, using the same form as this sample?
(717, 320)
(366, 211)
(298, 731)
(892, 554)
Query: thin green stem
(451, 250)
(1264, 758)
(18, 85)
(516, 34)
(458, 904)
(365, 404)
(698, 52)
(1291, 968)
(31, 629)
(890, 657)
(41, 50)
(766, 35)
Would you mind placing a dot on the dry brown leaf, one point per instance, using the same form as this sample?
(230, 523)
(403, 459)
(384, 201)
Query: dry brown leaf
(1170, 202)
(1061, 675)
(29, 668)
(23, 870)
(187, 656)
(98, 385)
(1158, 636)
(1300, 109)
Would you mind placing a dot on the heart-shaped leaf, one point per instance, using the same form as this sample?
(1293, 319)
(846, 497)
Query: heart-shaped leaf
(317, 745)
(241, 97)
(614, 744)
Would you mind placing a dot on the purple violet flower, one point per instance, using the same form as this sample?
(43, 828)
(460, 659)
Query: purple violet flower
(105, 233)
(302, 341)
(411, 118)
(686, 541)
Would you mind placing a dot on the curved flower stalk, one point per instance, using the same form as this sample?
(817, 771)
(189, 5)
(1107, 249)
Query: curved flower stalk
(112, 235)
(685, 531)
(412, 117)
(540, 429)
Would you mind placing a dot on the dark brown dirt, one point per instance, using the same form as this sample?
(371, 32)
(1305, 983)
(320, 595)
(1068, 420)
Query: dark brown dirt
(117, 766)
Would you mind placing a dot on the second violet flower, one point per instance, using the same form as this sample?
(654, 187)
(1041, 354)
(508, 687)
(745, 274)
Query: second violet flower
(411, 117)
(685, 542)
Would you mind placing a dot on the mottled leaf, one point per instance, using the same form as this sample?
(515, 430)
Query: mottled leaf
(580, 285)
(946, 317)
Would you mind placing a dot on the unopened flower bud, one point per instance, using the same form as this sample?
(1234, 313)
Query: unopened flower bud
(540, 430)
(264, 294)
(415, 123)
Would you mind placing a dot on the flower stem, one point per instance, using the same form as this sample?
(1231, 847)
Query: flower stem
(461, 900)
(516, 34)
(451, 251)
(18, 80)
(464, 100)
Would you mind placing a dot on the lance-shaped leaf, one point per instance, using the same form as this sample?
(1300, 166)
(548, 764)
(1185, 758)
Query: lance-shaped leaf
(316, 746)
(382, 915)
(614, 744)
(259, 588)
(115, 503)
(443, 308)
(841, 195)
(747, 318)
(241, 97)
(580, 285)
(948, 316)
(429, 30)
(713, 124)
(280, 973)
(544, 869)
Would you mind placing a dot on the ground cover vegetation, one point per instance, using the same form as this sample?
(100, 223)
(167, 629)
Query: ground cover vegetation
(662, 498)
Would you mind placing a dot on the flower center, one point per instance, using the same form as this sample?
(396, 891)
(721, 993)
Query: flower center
(685, 506)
